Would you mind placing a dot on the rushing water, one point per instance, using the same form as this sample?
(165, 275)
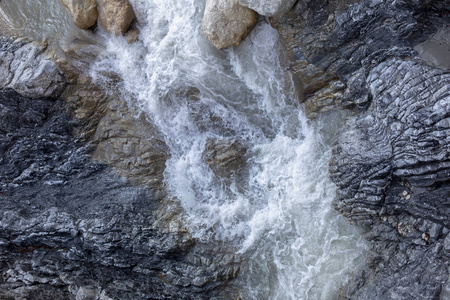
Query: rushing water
(277, 210)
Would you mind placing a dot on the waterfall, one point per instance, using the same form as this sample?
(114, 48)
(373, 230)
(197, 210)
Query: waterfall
(277, 209)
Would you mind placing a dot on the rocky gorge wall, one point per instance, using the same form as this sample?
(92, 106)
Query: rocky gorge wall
(73, 229)
(71, 226)
(391, 156)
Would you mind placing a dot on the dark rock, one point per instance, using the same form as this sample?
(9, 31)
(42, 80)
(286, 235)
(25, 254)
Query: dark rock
(71, 228)
(391, 157)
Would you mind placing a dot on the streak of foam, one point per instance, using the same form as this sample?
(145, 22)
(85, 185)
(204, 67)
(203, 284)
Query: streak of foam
(278, 212)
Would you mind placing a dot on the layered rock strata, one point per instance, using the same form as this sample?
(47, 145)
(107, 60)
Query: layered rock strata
(391, 159)
(71, 228)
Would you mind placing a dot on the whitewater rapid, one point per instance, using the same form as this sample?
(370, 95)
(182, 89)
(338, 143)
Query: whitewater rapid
(277, 211)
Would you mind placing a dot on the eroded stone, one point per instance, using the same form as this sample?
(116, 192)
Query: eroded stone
(116, 16)
(84, 12)
(226, 23)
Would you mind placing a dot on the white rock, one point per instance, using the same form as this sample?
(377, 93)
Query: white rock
(27, 69)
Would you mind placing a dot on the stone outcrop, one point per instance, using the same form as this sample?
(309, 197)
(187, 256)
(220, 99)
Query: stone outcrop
(391, 157)
(226, 23)
(392, 164)
(269, 8)
(131, 144)
(225, 157)
(72, 228)
(84, 12)
(116, 16)
(26, 68)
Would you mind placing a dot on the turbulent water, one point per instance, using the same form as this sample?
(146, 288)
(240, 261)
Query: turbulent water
(277, 210)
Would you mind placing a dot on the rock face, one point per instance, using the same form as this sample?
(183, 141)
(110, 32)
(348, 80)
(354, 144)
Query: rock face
(226, 23)
(84, 12)
(393, 163)
(225, 157)
(116, 16)
(130, 144)
(391, 159)
(269, 7)
(26, 68)
(71, 228)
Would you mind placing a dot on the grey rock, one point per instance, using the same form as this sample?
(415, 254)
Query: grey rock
(447, 243)
(391, 156)
(73, 229)
(27, 68)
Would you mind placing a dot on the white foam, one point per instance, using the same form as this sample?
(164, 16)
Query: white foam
(278, 213)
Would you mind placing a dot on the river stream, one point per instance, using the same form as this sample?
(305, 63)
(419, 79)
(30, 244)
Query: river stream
(276, 209)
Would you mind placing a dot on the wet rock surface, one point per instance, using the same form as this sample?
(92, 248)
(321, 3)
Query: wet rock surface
(72, 229)
(225, 157)
(391, 156)
(84, 12)
(116, 16)
(27, 68)
(398, 170)
(269, 8)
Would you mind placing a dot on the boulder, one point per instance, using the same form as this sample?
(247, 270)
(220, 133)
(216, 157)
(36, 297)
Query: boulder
(225, 157)
(268, 7)
(226, 23)
(116, 16)
(27, 69)
(132, 36)
(84, 12)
